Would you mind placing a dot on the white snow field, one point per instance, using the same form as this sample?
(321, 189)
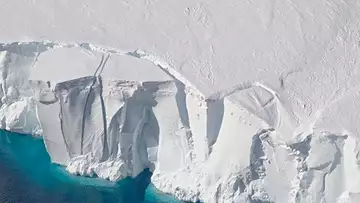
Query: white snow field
(225, 101)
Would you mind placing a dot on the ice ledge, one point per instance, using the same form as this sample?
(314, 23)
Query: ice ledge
(99, 116)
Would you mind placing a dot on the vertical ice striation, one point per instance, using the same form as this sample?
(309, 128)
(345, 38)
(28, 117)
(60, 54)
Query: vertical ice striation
(80, 105)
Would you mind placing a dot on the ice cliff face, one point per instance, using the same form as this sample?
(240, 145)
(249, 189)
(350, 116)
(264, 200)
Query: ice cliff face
(118, 113)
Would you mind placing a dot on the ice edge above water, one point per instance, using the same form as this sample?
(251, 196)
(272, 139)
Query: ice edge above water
(227, 146)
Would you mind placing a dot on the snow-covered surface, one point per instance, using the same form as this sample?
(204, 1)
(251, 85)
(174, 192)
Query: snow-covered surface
(244, 101)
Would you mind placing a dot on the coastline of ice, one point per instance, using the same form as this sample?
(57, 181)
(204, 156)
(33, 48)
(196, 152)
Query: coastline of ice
(231, 146)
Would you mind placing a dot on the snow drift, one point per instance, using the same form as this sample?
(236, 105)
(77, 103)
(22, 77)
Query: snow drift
(110, 114)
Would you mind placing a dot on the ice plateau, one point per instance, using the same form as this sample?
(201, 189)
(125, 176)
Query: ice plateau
(231, 101)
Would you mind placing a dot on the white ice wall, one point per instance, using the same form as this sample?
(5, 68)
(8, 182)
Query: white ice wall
(240, 145)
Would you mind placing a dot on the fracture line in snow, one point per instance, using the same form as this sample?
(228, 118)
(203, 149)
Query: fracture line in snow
(86, 105)
(103, 109)
(102, 64)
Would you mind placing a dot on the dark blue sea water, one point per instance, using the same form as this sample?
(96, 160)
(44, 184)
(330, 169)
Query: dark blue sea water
(27, 176)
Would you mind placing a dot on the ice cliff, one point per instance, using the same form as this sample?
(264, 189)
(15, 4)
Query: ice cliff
(226, 101)
(119, 113)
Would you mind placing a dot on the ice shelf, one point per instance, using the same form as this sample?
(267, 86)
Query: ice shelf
(111, 114)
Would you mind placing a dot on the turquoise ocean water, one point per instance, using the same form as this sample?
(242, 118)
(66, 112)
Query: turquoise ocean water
(27, 176)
